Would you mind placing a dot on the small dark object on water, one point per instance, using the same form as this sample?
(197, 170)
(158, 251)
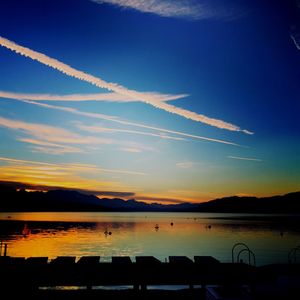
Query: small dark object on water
(281, 233)
(110, 233)
(172, 224)
(156, 227)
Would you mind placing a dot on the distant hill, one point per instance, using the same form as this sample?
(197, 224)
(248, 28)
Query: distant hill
(289, 203)
(53, 200)
(69, 200)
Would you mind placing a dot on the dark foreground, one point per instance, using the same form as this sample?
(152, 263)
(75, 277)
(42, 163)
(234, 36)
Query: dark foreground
(203, 278)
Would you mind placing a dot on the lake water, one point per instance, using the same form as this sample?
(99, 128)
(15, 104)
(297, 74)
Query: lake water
(132, 234)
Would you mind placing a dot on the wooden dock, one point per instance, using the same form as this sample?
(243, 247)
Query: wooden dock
(88, 277)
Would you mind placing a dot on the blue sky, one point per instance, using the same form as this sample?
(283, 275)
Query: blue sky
(232, 67)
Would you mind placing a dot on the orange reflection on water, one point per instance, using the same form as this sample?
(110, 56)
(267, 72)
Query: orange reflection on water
(132, 234)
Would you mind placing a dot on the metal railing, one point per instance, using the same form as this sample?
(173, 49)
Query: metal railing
(292, 256)
(250, 254)
(246, 249)
(3, 248)
(238, 245)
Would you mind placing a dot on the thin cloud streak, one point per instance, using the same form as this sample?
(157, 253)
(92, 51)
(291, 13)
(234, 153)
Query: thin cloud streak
(189, 9)
(45, 135)
(245, 158)
(53, 140)
(131, 150)
(100, 129)
(74, 167)
(107, 97)
(50, 148)
(22, 161)
(132, 94)
(160, 199)
(117, 120)
(57, 175)
(186, 164)
(296, 39)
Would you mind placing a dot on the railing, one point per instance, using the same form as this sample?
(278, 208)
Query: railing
(3, 247)
(292, 256)
(38, 272)
(238, 245)
(250, 253)
(244, 249)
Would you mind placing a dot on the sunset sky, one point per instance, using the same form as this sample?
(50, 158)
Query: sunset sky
(159, 100)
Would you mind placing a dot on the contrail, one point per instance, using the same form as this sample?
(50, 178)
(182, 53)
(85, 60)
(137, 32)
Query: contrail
(98, 129)
(117, 120)
(244, 158)
(132, 94)
(109, 97)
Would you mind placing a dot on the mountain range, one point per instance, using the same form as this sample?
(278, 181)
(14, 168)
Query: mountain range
(69, 200)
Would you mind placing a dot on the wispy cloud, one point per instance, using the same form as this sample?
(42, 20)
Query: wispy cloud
(76, 176)
(119, 121)
(186, 164)
(190, 9)
(156, 199)
(295, 36)
(58, 175)
(107, 97)
(56, 140)
(22, 161)
(50, 148)
(132, 94)
(43, 175)
(244, 158)
(134, 147)
(29, 166)
(295, 28)
(51, 139)
(51, 133)
(132, 150)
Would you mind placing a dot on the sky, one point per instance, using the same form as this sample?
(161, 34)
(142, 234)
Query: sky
(159, 100)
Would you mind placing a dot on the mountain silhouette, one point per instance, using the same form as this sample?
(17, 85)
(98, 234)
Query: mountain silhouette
(289, 203)
(69, 200)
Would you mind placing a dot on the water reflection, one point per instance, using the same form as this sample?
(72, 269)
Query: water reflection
(132, 234)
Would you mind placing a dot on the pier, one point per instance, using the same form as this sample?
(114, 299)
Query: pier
(203, 277)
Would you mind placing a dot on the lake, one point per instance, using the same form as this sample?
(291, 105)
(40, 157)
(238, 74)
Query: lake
(270, 237)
